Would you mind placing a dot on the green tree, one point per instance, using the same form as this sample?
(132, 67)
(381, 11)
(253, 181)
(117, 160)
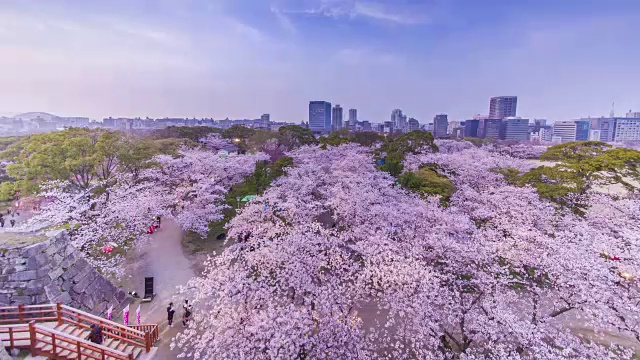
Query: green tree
(426, 181)
(294, 136)
(240, 132)
(193, 133)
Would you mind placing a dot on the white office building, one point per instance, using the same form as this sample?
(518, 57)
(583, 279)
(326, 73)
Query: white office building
(565, 130)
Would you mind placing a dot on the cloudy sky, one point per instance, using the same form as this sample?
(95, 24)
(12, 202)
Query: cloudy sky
(241, 58)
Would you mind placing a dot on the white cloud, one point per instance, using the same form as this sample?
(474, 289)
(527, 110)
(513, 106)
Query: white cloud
(391, 12)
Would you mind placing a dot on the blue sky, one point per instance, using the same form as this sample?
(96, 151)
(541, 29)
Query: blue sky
(238, 59)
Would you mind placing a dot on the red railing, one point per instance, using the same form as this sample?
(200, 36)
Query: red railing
(138, 336)
(42, 337)
(16, 335)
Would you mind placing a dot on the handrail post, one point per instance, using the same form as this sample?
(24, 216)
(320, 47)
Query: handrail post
(11, 338)
(59, 313)
(32, 338)
(79, 350)
(53, 344)
(21, 312)
(147, 340)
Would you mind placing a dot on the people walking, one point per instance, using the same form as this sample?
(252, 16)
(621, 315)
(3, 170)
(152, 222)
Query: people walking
(170, 312)
(95, 336)
(187, 313)
(13, 223)
(158, 221)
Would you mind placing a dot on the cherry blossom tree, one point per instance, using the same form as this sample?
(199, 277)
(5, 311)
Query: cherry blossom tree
(189, 188)
(336, 261)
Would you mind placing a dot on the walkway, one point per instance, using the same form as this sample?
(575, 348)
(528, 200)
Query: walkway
(164, 260)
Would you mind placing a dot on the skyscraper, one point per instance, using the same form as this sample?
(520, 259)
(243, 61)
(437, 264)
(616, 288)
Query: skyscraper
(471, 128)
(399, 120)
(353, 117)
(501, 107)
(320, 116)
(413, 124)
(265, 120)
(336, 117)
(492, 128)
(440, 125)
(516, 128)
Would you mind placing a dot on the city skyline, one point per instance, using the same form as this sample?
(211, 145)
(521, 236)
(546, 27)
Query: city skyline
(233, 59)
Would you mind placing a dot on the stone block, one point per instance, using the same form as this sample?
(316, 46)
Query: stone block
(44, 271)
(68, 261)
(64, 298)
(8, 270)
(24, 276)
(20, 267)
(5, 299)
(57, 259)
(21, 300)
(56, 273)
(52, 291)
(69, 250)
(120, 296)
(81, 285)
(42, 259)
(32, 263)
(67, 285)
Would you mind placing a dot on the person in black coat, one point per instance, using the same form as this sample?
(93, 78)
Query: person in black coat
(170, 312)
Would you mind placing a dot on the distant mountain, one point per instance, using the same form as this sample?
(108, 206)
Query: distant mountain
(35, 115)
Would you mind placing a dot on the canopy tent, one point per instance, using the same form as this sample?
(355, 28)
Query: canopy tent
(248, 197)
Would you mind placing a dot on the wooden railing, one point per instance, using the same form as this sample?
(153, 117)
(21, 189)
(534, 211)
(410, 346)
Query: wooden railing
(42, 337)
(139, 336)
(17, 335)
(150, 330)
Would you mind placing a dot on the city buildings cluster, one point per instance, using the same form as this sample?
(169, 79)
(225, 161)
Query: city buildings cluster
(36, 122)
(502, 123)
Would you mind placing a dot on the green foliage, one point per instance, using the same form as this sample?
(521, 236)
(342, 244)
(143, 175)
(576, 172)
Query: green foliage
(475, 141)
(573, 152)
(428, 182)
(411, 142)
(393, 164)
(5, 141)
(344, 136)
(238, 132)
(580, 165)
(293, 136)
(260, 138)
(193, 133)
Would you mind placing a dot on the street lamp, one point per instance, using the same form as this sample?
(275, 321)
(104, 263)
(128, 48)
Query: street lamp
(236, 140)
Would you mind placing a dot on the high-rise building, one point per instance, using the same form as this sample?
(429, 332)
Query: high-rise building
(413, 124)
(516, 128)
(353, 117)
(627, 129)
(265, 120)
(440, 125)
(336, 117)
(471, 128)
(452, 125)
(493, 128)
(566, 130)
(582, 130)
(501, 107)
(320, 116)
(594, 135)
(399, 120)
(633, 114)
(457, 132)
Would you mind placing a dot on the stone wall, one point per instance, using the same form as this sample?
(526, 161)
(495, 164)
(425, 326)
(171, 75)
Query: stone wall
(54, 271)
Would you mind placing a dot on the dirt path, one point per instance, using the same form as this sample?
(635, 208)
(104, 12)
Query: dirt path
(164, 260)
